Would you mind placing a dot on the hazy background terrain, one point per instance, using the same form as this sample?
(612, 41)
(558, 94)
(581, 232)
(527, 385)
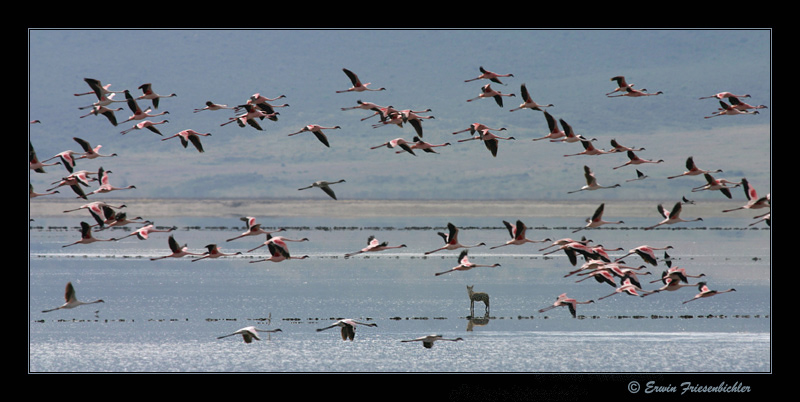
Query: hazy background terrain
(421, 69)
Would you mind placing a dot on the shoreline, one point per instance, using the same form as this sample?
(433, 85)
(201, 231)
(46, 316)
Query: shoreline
(180, 207)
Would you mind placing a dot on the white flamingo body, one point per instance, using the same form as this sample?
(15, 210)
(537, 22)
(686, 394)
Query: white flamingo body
(451, 240)
(397, 142)
(554, 133)
(596, 220)
(249, 334)
(591, 182)
(189, 136)
(647, 253)
(148, 93)
(348, 327)
(89, 152)
(635, 93)
(358, 86)
(278, 251)
(693, 170)
(671, 217)
(138, 113)
(464, 264)
(629, 288)
(713, 184)
(489, 75)
(705, 291)
(147, 124)
(517, 232)
(428, 340)
(490, 140)
(253, 228)
(753, 200)
(563, 301)
(528, 102)
(316, 129)
(71, 301)
(633, 159)
(424, 146)
(105, 184)
(373, 245)
(622, 84)
(108, 113)
(214, 252)
(86, 236)
(213, 106)
(729, 110)
(324, 186)
(488, 92)
(178, 250)
(143, 233)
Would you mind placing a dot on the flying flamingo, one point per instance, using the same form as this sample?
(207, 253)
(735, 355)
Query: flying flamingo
(629, 273)
(693, 170)
(763, 217)
(89, 152)
(348, 326)
(148, 93)
(253, 228)
(635, 93)
(67, 159)
(150, 125)
(324, 186)
(143, 233)
(528, 102)
(565, 241)
(364, 105)
(601, 276)
(717, 184)
(728, 110)
(488, 92)
(357, 85)
(723, 95)
(262, 103)
(570, 135)
(629, 288)
(97, 210)
(374, 245)
(596, 220)
(188, 136)
(214, 252)
(736, 103)
(33, 161)
(517, 232)
(464, 264)
(589, 149)
(555, 133)
(617, 147)
(670, 285)
(677, 274)
(647, 253)
(103, 100)
(86, 236)
(105, 185)
(70, 300)
(591, 182)
(490, 140)
(425, 146)
(622, 84)
(671, 217)
(107, 112)
(451, 240)
(753, 200)
(706, 292)
(428, 340)
(250, 333)
(383, 112)
(138, 113)
(477, 128)
(118, 218)
(278, 252)
(317, 131)
(397, 142)
(488, 75)
(213, 106)
(98, 89)
(639, 176)
(563, 300)
(280, 240)
(633, 159)
(412, 117)
(178, 251)
(572, 249)
(250, 117)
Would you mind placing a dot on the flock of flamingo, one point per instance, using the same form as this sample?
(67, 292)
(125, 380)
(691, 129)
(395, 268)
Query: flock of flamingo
(597, 264)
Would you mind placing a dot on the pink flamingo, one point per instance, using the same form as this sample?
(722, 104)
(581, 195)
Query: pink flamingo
(517, 232)
(724, 186)
(33, 161)
(451, 240)
(617, 147)
(728, 110)
(629, 288)
(397, 142)
(188, 136)
(736, 103)
(488, 92)
(633, 159)
(316, 129)
(178, 251)
(213, 106)
(562, 300)
(490, 140)
(280, 240)
(107, 112)
(98, 209)
(706, 292)
(723, 95)
(622, 84)
(464, 264)
(639, 176)
(647, 253)
(250, 333)
(477, 128)
(143, 233)
(86, 236)
(753, 200)
(572, 249)
(555, 133)
(324, 186)
(591, 182)
(34, 194)
(67, 159)
(570, 135)
(488, 75)
(118, 218)
(357, 85)
(150, 125)
(105, 185)
(253, 228)
(373, 245)
(364, 105)
(635, 93)
(589, 149)
(348, 327)
(251, 117)
(89, 152)
(596, 220)
(670, 285)
(148, 93)
(601, 276)
(138, 113)
(424, 146)
(98, 89)
(565, 241)
(671, 217)
(262, 102)
(693, 170)
(279, 252)
(71, 300)
(214, 252)
(676, 274)
(528, 102)
(428, 340)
